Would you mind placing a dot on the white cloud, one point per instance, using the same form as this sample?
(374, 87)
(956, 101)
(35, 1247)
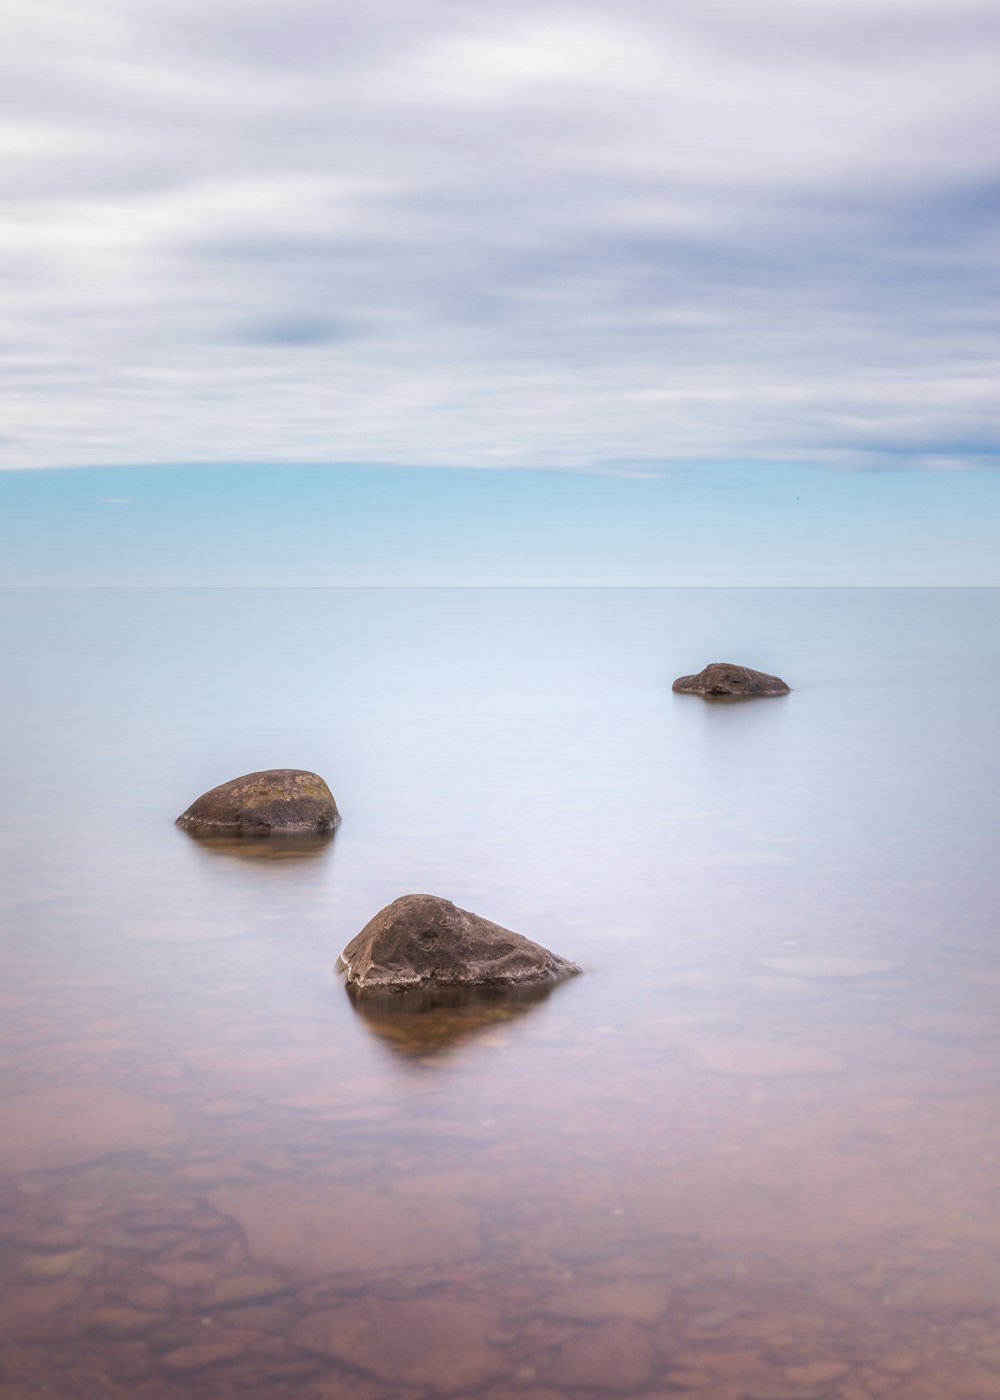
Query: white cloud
(522, 234)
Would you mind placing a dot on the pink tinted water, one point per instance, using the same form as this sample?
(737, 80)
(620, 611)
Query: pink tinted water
(750, 1153)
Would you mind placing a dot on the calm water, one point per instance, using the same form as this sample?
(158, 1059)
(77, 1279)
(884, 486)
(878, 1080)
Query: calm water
(751, 1155)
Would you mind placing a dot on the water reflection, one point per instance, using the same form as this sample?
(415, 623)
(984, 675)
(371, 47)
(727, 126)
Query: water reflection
(273, 847)
(736, 699)
(427, 1022)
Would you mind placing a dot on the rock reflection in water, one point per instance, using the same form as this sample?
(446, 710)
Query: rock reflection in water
(425, 1022)
(274, 846)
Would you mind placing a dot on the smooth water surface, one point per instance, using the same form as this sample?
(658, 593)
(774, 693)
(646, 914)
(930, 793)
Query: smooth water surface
(752, 1154)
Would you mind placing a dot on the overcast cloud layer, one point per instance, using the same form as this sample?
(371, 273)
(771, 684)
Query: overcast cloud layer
(540, 234)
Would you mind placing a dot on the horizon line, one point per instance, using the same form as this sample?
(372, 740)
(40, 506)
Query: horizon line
(484, 587)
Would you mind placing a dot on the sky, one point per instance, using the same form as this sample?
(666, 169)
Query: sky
(251, 525)
(731, 257)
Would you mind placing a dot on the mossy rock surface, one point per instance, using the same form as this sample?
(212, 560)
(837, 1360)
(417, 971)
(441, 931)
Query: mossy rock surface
(423, 941)
(725, 680)
(276, 801)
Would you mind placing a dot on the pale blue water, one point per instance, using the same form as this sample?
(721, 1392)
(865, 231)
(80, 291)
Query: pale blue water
(779, 1071)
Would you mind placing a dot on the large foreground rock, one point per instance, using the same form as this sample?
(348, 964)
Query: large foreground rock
(723, 678)
(420, 940)
(282, 800)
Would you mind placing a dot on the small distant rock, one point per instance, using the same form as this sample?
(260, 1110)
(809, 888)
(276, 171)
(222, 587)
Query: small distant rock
(422, 941)
(279, 800)
(722, 678)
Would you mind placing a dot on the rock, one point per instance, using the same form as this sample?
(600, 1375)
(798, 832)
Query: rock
(441, 1344)
(322, 1228)
(146, 1297)
(58, 1237)
(77, 1262)
(690, 1380)
(633, 1299)
(263, 1317)
(901, 1364)
(124, 1322)
(534, 1392)
(723, 679)
(350, 1385)
(817, 1372)
(614, 1356)
(59, 1128)
(185, 1273)
(282, 800)
(22, 1309)
(421, 941)
(235, 1289)
(200, 1355)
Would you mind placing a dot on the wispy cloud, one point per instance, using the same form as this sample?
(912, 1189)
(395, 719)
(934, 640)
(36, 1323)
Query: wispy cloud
(497, 235)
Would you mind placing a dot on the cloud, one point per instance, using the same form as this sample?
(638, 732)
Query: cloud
(549, 234)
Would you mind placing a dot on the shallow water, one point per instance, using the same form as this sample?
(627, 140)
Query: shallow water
(750, 1155)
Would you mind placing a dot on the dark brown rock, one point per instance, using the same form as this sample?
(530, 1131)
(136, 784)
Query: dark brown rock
(421, 941)
(280, 800)
(722, 679)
